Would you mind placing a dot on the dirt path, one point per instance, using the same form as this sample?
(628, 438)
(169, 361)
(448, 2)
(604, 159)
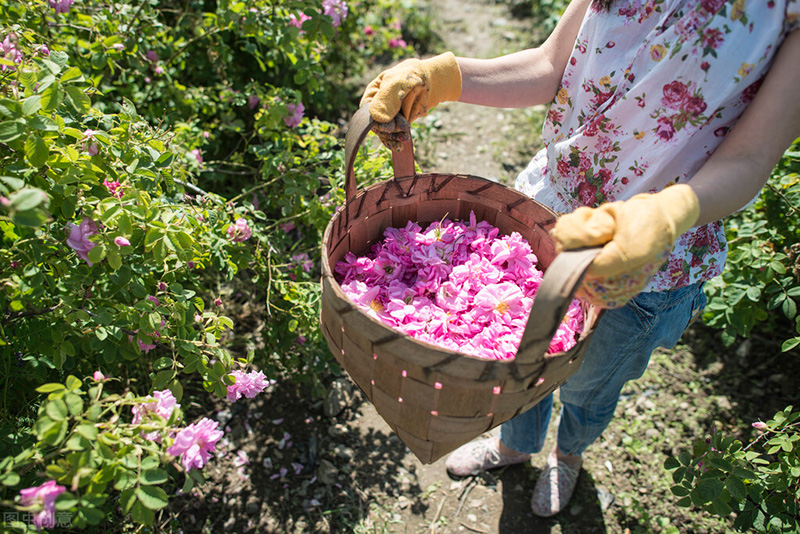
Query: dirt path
(474, 139)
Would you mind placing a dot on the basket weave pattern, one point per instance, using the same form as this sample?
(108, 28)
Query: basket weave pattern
(436, 399)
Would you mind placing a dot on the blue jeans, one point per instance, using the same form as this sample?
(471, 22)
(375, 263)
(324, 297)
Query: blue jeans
(619, 351)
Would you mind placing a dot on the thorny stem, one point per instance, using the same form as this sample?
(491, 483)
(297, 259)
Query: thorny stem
(792, 208)
(13, 316)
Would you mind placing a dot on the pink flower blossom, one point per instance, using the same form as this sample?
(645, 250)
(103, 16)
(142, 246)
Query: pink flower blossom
(457, 285)
(114, 187)
(98, 376)
(78, 239)
(286, 227)
(61, 6)
(298, 20)
(247, 384)
(397, 42)
(239, 231)
(665, 129)
(303, 261)
(44, 496)
(161, 403)
(90, 145)
(195, 443)
(159, 70)
(44, 50)
(369, 30)
(151, 55)
(336, 9)
(241, 459)
(122, 241)
(145, 347)
(198, 155)
(295, 114)
(760, 425)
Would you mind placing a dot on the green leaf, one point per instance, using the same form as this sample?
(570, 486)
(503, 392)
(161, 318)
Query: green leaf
(97, 253)
(56, 409)
(36, 150)
(73, 382)
(153, 476)
(679, 491)
(65, 501)
(127, 499)
(93, 516)
(26, 199)
(49, 388)
(162, 378)
(31, 105)
(789, 344)
(10, 130)
(114, 259)
(79, 99)
(720, 463)
(87, 431)
(789, 308)
(141, 514)
(9, 478)
(736, 487)
(74, 403)
(177, 390)
(709, 489)
(52, 97)
(721, 508)
(55, 434)
(72, 74)
(152, 497)
(754, 293)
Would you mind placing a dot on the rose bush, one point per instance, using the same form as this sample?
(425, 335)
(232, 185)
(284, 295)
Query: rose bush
(157, 162)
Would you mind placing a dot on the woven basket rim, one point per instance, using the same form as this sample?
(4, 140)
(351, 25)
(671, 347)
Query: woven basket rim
(328, 273)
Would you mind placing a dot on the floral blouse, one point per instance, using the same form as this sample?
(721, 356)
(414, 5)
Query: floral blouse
(650, 91)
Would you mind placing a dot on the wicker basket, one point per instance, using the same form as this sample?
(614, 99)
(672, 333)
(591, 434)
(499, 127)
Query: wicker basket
(435, 399)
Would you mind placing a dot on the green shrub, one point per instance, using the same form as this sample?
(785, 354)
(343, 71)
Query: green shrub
(761, 282)
(762, 488)
(162, 163)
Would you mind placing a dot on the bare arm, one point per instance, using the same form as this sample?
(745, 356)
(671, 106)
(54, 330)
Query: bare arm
(524, 78)
(741, 165)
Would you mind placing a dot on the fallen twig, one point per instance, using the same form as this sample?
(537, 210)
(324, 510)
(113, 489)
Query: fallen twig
(432, 526)
(464, 494)
(474, 529)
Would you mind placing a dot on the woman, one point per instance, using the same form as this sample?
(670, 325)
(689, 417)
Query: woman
(665, 117)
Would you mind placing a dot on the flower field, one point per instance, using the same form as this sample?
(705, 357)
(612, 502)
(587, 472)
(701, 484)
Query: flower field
(166, 172)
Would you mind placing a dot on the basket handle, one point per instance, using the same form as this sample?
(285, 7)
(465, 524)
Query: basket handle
(359, 126)
(555, 293)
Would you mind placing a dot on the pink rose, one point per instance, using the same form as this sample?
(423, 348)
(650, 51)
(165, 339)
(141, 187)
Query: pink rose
(239, 231)
(665, 129)
(44, 496)
(695, 105)
(79, 235)
(675, 94)
(295, 115)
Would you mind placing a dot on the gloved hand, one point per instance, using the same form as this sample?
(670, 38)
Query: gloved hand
(413, 87)
(638, 235)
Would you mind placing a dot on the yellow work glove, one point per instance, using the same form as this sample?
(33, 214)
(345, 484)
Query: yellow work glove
(413, 87)
(638, 235)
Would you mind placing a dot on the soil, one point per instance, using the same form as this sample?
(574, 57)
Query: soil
(293, 464)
